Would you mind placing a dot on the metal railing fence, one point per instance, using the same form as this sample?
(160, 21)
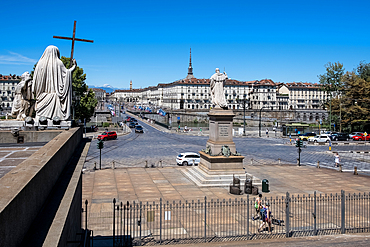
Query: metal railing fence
(206, 220)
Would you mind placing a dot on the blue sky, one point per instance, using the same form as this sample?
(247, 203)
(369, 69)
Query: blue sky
(148, 41)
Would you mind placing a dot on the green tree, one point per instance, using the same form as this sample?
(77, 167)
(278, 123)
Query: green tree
(353, 106)
(331, 82)
(363, 71)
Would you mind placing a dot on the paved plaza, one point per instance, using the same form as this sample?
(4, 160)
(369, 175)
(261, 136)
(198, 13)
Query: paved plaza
(168, 183)
(131, 181)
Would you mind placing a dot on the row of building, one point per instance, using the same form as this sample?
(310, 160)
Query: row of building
(195, 94)
(192, 93)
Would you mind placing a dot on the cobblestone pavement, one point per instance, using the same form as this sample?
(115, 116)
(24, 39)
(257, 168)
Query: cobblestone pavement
(158, 146)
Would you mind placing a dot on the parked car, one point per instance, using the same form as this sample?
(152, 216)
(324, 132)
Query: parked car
(188, 158)
(361, 137)
(139, 129)
(132, 120)
(108, 135)
(354, 134)
(319, 138)
(132, 125)
(340, 137)
(307, 135)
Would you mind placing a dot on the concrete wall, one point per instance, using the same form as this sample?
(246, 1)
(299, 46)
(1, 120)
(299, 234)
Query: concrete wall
(24, 190)
(29, 136)
(67, 221)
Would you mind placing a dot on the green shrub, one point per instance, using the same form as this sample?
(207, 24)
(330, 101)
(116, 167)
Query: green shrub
(105, 125)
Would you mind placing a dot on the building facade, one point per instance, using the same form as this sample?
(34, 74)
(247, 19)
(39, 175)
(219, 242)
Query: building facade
(8, 84)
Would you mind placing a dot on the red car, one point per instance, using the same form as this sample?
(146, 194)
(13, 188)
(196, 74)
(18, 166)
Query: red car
(112, 135)
(360, 137)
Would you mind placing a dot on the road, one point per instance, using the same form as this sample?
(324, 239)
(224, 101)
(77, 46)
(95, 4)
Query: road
(155, 146)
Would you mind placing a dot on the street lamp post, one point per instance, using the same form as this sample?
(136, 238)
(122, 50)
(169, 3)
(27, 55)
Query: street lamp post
(244, 116)
(243, 100)
(260, 121)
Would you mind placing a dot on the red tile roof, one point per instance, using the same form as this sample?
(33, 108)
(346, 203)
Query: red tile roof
(9, 77)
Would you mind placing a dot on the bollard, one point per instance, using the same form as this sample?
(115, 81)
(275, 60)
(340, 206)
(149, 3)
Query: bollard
(113, 165)
(94, 165)
(146, 164)
(251, 161)
(279, 161)
(318, 164)
(355, 172)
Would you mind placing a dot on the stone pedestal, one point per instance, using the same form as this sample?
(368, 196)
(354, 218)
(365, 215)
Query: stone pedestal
(215, 169)
(221, 165)
(220, 130)
(22, 125)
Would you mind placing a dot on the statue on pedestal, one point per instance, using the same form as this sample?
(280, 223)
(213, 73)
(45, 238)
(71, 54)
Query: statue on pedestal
(22, 103)
(52, 86)
(217, 89)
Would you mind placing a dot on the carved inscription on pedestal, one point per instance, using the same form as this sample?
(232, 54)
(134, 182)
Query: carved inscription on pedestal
(223, 130)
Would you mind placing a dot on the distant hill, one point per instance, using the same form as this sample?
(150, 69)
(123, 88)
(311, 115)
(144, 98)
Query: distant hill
(108, 88)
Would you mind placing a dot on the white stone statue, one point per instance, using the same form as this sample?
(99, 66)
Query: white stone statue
(22, 106)
(217, 89)
(52, 86)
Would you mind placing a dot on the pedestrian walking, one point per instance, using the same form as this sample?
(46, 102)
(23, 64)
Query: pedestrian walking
(267, 132)
(337, 159)
(258, 206)
(266, 217)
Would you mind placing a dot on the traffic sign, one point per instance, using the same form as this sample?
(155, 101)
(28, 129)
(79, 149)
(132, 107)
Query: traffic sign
(365, 134)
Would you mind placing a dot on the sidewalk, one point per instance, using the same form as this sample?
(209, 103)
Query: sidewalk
(361, 239)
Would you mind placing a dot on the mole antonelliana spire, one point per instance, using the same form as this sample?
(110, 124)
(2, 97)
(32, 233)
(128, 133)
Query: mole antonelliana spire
(190, 69)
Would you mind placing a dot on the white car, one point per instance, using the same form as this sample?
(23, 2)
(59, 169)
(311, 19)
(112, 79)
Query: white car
(188, 158)
(320, 138)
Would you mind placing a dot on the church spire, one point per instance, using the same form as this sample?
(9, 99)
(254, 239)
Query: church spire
(190, 69)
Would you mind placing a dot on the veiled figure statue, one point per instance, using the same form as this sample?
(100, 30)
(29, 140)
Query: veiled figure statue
(22, 100)
(217, 89)
(52, 86)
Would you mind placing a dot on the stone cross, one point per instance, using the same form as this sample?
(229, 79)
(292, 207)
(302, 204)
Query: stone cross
(73, 41)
